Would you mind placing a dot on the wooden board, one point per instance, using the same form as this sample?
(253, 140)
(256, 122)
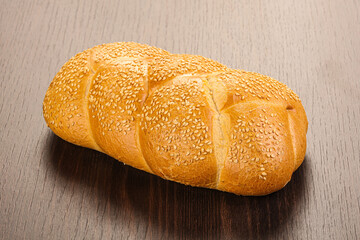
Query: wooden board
(50, 189)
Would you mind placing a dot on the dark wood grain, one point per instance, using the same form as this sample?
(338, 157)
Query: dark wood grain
(50, 189)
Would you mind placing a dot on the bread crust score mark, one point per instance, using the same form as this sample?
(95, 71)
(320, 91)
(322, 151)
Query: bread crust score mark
(182, 117)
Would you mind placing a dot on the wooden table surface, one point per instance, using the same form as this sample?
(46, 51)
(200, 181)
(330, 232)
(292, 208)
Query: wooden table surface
(50, 189)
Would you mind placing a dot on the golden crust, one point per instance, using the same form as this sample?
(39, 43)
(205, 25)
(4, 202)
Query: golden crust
(185, 118)
(258, 160)
(102, 54)
(167, 67)
(115, 101)
(64, 106)
(176, 132)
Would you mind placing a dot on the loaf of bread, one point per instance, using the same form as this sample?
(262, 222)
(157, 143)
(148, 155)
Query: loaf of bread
(185, 118)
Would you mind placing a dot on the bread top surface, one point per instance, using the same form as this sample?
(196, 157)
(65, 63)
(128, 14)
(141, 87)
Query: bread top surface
(185, 118)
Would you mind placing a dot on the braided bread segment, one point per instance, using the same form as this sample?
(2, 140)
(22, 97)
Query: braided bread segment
(65, 106)
(115, 101)
(176, 132)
